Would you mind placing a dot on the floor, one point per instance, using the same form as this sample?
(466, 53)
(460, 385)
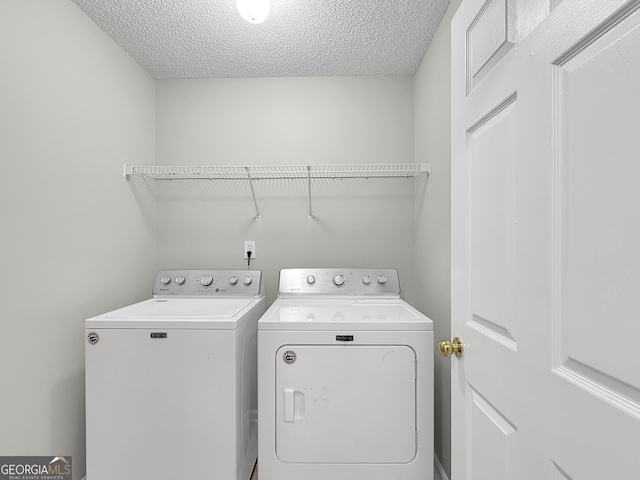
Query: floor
(254, 476)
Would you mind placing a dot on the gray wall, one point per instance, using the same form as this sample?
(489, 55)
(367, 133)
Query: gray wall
(77, 239)
(432, 126)
(287, 121)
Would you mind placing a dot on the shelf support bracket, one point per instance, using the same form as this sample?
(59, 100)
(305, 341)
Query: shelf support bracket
(253, 193)
(309, 182)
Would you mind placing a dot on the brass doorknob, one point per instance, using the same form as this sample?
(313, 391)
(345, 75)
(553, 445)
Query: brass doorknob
(451, 348)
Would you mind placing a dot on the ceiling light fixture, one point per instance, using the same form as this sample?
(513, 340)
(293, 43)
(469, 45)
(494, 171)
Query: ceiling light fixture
(254, 11)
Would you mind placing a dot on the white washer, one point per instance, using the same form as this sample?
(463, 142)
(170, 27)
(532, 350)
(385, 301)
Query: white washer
(345, 379)
(171, 387)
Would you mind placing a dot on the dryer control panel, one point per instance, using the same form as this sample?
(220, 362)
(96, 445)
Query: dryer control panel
(208, 283)
(339, 281)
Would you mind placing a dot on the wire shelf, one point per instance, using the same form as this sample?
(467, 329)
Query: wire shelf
(256, 172)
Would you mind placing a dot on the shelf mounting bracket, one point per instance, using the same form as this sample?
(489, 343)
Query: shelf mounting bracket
(253, 193)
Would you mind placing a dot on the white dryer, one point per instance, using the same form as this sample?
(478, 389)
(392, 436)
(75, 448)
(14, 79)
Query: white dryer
(345, 379)
(171, 387)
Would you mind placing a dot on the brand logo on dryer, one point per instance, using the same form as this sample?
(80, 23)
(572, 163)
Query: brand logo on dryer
(289, 357)
(344, 338)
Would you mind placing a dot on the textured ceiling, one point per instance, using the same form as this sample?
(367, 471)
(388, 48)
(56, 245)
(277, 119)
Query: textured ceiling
(208, 38)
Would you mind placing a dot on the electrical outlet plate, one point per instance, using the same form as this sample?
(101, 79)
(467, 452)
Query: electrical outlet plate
(250, 246)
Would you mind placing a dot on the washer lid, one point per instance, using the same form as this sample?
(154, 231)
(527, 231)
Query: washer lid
(179, 313)
(353, 315)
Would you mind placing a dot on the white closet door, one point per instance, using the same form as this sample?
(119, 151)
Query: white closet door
(545, 236)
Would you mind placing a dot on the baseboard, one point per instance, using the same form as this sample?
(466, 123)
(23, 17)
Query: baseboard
(438, 471)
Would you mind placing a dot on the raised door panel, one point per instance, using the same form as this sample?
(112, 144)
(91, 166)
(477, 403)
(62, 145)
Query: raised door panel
(489, 37)
(492, 442)
(598, 211)
(492, 217)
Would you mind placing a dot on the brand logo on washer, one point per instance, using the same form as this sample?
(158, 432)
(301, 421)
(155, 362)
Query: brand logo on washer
(289, 357)
(93, 338)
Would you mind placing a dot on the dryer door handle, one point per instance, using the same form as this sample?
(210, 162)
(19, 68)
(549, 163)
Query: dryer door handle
(293, 404)
(289, 404)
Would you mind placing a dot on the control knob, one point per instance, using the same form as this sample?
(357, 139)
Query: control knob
(338, 280)
(311, 279)
(366, 279)
(233, 280)
(165, 280)
(179, 280)
(247, 280)
(206, 280)
(382, 279)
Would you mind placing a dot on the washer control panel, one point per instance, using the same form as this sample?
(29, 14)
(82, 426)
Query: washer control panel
(339, 281)
(208, 283)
